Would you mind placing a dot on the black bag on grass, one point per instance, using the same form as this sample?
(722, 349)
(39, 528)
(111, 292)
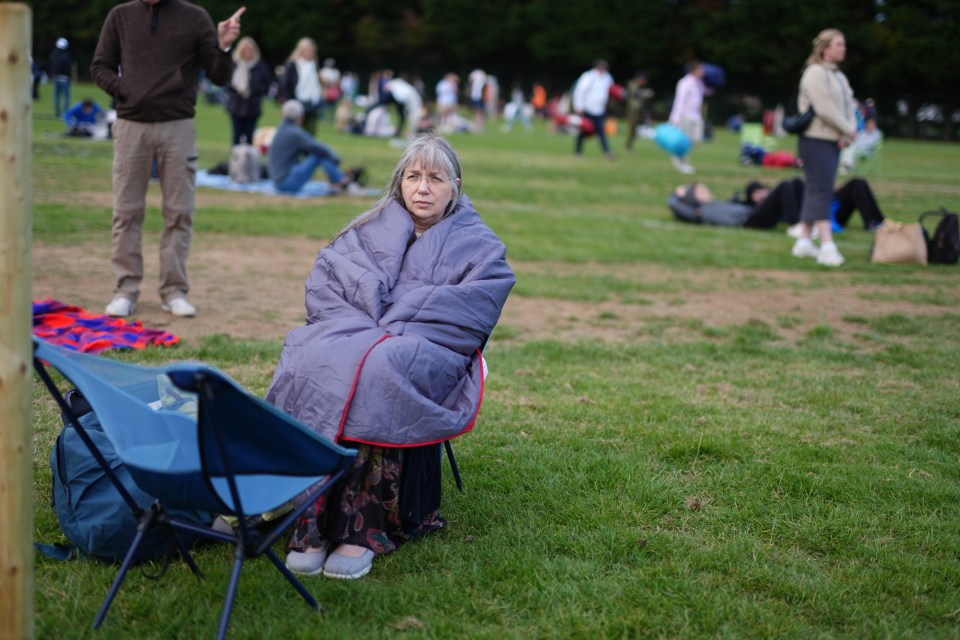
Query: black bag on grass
(943, 247)
(92, 514)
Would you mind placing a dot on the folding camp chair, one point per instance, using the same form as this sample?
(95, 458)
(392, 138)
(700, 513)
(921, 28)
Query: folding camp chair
(237, 455)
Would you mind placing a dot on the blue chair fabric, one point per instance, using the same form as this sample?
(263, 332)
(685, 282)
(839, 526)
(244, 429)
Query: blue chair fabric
(192, 438)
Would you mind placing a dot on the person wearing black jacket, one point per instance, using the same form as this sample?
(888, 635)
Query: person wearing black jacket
(760, 207)
(249, 83)
(783, 203)
(301, 82)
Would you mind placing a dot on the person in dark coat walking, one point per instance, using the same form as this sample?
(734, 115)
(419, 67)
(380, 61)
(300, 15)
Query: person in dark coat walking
(249, 83)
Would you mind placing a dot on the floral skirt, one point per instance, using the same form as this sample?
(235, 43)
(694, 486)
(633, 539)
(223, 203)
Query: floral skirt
(389, 495)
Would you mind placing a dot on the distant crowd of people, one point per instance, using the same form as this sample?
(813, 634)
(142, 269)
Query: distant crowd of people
(151, 124)
(418, 266)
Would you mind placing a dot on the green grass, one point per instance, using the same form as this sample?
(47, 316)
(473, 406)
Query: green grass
(695, 479)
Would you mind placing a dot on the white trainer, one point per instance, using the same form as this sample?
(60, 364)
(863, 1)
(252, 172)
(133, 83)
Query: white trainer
(680, 165)
(804, 248)
(354, 189)
(120, 307)
(180, 307)
(829, 255)
(796, 231)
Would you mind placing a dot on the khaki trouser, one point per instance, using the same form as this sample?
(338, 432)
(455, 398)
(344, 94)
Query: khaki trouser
(135, 146)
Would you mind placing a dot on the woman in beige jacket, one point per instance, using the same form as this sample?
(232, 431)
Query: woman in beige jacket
(823, 87)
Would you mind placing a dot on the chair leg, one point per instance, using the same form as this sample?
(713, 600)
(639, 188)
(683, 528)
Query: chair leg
(188, 558)
(453, 464)
(231, 595)
(292, 579)
(121, 574)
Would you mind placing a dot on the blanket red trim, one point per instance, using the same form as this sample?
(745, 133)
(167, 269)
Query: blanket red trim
(77, 329)
(353, 390)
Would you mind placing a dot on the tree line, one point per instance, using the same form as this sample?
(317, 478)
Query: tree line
(902, 53)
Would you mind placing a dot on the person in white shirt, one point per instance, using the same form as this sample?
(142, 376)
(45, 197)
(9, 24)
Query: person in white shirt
(405, 97)
(302, 82)
(863, 146)
(447, 90)
(590, 96)
(687, 111)
(478, 82)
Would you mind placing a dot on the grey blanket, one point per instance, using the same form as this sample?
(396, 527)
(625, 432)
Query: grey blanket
(390, 351)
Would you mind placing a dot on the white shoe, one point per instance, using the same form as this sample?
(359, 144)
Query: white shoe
(307, 564)
(354, 189)
(120, 307)
(804, 248)
(681, 166)
(796, 231)
(348, 567)
(180, 308)
(829, 255)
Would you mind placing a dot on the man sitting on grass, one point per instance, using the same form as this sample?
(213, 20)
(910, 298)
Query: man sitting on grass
(294, 156)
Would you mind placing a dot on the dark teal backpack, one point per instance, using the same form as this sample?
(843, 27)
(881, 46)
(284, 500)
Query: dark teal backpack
(92, 514)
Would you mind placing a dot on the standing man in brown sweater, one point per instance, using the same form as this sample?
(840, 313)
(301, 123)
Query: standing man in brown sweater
(148, 58)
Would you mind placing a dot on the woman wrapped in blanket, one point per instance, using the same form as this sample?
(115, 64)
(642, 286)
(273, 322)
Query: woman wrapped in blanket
(398, 306)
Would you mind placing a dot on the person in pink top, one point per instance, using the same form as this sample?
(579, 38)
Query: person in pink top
(687, 111)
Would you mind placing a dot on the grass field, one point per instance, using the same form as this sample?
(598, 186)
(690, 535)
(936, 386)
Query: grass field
(757, 468)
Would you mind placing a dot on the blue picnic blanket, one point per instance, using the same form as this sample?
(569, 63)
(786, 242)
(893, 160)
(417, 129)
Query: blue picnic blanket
(312, 189)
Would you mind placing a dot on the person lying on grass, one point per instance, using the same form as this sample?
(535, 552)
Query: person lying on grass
(398, 306)
(760, 207)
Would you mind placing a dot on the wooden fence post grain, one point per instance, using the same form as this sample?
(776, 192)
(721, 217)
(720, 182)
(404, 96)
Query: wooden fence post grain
(16, 449)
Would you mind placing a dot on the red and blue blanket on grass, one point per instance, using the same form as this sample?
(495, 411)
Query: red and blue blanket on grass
(77, 329)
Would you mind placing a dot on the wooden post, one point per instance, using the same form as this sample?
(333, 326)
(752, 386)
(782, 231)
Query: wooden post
(16, 449)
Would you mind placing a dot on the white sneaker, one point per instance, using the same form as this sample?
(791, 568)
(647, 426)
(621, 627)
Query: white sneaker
(804, 248)
(680, 165)
(180, 307)
(829, 255)
(354, 189)
(120, 307)
(796, 231)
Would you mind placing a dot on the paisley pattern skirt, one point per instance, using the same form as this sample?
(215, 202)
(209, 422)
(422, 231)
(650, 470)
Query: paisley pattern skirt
(374, 505)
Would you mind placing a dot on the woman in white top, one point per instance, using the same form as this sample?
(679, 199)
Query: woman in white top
(301, 81)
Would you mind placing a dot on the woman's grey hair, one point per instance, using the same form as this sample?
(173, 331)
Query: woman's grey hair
(433, 153)
(291, 110)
